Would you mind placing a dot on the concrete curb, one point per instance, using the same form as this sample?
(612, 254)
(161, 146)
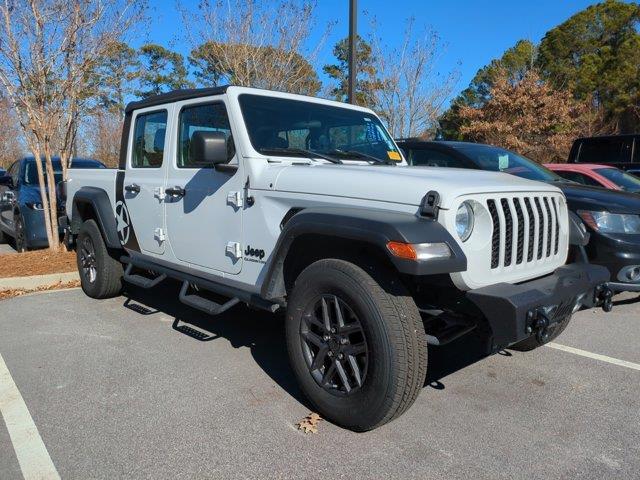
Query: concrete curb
(36, 281)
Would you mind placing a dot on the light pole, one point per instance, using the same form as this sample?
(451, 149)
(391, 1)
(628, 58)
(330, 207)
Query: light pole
(353, 32)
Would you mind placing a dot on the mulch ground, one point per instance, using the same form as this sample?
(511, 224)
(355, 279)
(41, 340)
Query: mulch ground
(39, 262)
(16, 292)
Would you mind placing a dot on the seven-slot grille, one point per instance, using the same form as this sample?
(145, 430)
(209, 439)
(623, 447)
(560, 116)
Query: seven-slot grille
(525, 229)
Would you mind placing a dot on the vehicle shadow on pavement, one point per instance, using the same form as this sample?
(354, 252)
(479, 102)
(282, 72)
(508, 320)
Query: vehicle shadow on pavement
(263, 334)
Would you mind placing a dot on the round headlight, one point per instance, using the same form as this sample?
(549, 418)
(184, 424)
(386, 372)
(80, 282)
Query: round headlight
(464, 221)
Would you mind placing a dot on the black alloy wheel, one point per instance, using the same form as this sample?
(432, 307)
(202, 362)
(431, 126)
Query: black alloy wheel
(334, 345)
(88, 263)
(20, 236)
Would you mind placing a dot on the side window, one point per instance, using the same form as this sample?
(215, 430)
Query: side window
(210, 117)
(605, 150)
(148, 140)
(427, 157)
(14, 171)
(636, 151)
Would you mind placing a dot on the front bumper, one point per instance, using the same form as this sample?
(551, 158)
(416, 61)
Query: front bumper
(513, 310)
(617, 253)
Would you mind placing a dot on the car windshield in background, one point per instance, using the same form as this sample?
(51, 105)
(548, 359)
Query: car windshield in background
(500, 160)
(624, 180)
(281, 124)
(31, 170)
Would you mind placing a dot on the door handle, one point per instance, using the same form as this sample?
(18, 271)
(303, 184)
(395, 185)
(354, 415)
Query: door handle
(133, 188)
(175, 192)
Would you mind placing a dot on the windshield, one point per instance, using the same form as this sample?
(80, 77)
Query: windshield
(501, 160)
(31, 170)
(280, 124)
(31, 173)
(624, 180)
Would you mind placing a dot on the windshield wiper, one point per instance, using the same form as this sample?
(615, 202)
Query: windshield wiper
(354, 153)
(299, 151)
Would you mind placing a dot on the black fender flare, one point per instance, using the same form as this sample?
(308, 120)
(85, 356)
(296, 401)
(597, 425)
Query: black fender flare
(98, 200)
(373, 226)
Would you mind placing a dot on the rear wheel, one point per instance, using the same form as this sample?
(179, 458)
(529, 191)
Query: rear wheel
(357, 345)
(100, 274)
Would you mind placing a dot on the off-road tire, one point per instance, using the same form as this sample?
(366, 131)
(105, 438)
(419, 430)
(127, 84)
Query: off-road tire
(106, 280)
(3, 237)
(394, 333)
(532, 342)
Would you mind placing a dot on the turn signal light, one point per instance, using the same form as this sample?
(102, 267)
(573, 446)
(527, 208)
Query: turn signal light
(419, 251)
(403, 250)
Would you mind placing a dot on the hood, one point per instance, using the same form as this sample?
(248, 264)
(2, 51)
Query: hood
(30, 193)
(582, 197)
(399, 184)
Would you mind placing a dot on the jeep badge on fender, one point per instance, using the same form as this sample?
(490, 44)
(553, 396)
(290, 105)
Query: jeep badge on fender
(370, 272)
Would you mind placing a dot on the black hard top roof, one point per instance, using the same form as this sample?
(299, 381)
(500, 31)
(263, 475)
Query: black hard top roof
(175, 96)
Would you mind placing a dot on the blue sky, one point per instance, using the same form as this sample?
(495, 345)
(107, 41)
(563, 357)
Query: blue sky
(473, 32)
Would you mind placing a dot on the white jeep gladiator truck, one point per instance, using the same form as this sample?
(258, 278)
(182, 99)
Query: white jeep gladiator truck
(286, 202)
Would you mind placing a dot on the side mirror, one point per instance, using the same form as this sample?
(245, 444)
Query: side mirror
(208, 148)
(6, 180)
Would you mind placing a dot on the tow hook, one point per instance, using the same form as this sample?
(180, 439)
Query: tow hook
(604, 297)
(538, 323)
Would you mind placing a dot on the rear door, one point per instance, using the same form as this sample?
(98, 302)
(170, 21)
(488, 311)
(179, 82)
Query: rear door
(140, 207)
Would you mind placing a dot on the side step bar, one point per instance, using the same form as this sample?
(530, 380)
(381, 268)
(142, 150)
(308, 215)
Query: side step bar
(140, 280)
(235, 295)
(442, 328)
(203, 304)
(449, 334)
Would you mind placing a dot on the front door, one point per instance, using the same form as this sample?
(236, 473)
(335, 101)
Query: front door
(140, 206)
(204, 217)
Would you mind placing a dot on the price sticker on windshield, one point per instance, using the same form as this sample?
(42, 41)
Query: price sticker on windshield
(503, 162)
(393, 155)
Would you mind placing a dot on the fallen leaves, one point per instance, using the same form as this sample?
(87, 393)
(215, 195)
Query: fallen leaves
(17, 292)
(309, 424)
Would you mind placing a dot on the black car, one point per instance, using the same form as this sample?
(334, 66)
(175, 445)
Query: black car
(612, 217)
(621, 151)
(21, 213)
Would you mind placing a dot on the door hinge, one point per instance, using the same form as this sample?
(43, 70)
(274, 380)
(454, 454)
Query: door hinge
(235, 199)
(234, 249)
(159, 193)
(159, 235)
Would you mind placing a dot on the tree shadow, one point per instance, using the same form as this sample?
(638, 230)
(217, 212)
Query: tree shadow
(263, 333)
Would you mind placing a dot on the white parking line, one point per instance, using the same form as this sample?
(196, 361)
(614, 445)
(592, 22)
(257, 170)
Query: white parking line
(32, 455)
(596, 356)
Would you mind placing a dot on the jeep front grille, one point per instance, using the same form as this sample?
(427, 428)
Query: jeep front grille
(523, 235)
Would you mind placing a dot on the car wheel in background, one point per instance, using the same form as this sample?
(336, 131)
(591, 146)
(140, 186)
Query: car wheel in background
(20, 235)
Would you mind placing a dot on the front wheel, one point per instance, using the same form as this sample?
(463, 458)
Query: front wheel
(20, 235)
(357, 346)
(100, 274)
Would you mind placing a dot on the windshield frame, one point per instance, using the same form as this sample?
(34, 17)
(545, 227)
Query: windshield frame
(328, 106)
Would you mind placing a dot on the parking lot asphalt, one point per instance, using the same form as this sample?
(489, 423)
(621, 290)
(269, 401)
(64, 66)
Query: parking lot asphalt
(6, 248)
(118, 389)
